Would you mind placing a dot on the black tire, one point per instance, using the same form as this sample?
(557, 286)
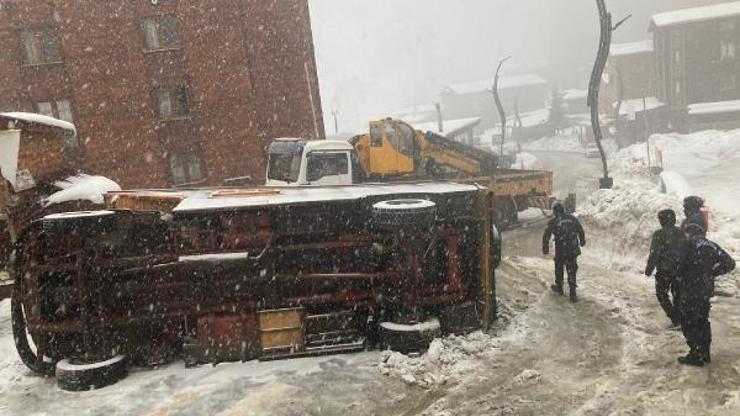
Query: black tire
(29, 357)
(404, 215)
(82, 223)
(409, 338)
(84, 377)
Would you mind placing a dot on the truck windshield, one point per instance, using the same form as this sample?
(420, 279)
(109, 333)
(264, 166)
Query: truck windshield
(284, 167)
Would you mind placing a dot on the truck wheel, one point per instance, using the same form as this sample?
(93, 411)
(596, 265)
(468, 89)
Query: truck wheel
(79, 223)
(43, 366)
(83, 377)
(408, 215)
(409, 338)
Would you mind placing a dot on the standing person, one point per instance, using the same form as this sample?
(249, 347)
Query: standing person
(665, 256)
(704, 260)
(569, 238)
(692, 206)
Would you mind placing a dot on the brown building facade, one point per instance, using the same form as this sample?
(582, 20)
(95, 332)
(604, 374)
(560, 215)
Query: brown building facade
(697, 56)
(165, 92)
(630, 74)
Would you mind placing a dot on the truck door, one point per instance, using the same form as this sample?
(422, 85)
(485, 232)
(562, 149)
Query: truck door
(392, 148)
(328, 168)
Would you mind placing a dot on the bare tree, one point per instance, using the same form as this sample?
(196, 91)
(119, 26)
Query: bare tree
(497, 98)
(593, 90)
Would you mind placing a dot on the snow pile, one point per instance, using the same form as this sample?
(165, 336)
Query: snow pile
(673, 182)
(446, 361)
(690, 155)
(556, 144)
(527, 161)
(82, 188)
(630, 207)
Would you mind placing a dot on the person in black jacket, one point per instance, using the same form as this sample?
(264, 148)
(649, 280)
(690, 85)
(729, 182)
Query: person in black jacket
(665, 256)
(704, 260)
(569, 238)
(692, 206)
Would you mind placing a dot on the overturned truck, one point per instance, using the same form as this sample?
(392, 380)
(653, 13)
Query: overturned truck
(216, 275)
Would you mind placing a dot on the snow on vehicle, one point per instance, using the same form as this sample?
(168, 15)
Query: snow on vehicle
(36, 154)
(394, 152)
(232, 274)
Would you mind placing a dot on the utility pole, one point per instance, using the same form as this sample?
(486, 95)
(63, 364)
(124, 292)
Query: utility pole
(593, 90)
(335, 114)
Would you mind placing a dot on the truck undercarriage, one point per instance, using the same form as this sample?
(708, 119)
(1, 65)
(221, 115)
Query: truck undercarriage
(228, 275)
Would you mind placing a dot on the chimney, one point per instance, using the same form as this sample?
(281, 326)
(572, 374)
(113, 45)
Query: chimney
(439, 118)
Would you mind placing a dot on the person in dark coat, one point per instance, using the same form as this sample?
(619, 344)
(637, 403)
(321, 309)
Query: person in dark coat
(569, 238)
(704, 260)
(692, 206)
(665, 256)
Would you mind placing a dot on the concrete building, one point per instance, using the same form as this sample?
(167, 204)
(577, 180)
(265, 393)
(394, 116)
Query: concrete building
(165, 92)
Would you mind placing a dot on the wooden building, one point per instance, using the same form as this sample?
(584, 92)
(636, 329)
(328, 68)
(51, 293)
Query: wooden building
(697, 53)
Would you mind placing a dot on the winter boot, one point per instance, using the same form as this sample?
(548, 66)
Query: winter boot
(573, 295)
(557, 289)
(692, 359)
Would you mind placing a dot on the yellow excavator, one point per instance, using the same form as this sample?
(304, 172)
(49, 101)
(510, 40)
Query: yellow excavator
(393, 151)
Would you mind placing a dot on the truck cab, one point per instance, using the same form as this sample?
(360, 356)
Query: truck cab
(298, 162)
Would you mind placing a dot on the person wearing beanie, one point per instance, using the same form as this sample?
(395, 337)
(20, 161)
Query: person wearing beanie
(665, 257)
(703, 261)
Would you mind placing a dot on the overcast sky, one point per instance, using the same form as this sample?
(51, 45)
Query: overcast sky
(379, 56)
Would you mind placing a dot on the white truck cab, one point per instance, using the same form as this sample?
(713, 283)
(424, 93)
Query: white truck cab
(298, 162)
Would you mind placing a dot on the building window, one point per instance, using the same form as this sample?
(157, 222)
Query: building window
(727, 25)
(40, 47)
(61, 109)
(727, 50)
(185, 168)
(159, 32)
(173, 102)
(729, 81)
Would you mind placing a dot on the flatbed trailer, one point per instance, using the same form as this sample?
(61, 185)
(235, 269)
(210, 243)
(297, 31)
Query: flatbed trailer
(216, 275)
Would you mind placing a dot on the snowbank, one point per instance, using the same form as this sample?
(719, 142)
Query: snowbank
(527, 161)
(690, 155)
(674, 182)
(446, 361)
(556, 144)
(82, 188)
(622, 219)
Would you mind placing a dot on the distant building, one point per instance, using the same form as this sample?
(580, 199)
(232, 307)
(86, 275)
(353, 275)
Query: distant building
(697, 52)
(461, 130)
(630, 74)
(575, 101)
(165, 92)
(474, 99)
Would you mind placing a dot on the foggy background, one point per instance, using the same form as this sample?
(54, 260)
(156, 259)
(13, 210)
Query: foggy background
(379, 56)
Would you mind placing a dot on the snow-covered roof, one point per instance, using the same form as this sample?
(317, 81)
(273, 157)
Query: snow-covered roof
(575, 94)
(720, 107)
(204, 200)
(696, 14)
(637, 105)
(40, 119)
(451, 127)
(622, 49)
(326, 145)
(504, 83)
